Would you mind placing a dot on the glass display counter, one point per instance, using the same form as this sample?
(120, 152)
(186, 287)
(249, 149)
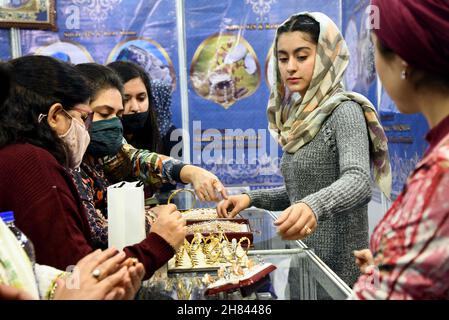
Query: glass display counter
(300, 273)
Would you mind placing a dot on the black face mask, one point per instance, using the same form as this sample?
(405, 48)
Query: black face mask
(134, 121)
(106, 137)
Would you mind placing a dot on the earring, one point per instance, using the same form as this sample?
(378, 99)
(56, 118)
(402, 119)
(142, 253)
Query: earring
(404, 74)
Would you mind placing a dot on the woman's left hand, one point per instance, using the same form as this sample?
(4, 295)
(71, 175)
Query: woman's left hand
(296, 222)
(207, 186)
(364, 259)
(133, 280)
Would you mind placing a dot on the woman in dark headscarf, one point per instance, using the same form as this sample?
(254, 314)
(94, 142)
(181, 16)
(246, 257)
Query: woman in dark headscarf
(409, 249)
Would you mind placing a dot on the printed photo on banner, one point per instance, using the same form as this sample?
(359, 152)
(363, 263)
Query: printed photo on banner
(360, 74)
(149, 55)
(31, 14)
(361, 71)
(225, 69)
(66, 51)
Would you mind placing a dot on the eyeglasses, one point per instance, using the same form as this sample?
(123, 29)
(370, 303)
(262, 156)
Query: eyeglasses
(87, 117)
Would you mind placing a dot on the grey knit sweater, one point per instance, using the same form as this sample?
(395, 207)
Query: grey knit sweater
(331, 174)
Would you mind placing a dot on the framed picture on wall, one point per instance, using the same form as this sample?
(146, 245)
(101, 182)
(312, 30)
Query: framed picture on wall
(30, 14)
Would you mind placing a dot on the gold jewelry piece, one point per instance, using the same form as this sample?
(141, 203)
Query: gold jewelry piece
(195, 245)
(151, 216)
(244, 251)
(213, 226)
(308, 230)
(214, 254)
(50, 295)
(213, 250)
(183, 190)
(184, 291)
(201, 214)
(179, 258)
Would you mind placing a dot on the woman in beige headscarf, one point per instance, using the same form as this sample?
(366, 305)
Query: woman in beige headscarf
(329, 138)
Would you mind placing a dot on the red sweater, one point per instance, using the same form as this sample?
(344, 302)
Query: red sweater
(47, 208)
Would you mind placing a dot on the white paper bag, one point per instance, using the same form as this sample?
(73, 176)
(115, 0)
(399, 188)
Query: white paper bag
(126, 214)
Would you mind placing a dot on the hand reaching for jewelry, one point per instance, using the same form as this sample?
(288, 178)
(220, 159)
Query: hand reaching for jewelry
(296, 222)
(170, 225)
(133, 278)
(230, 207)
(206, 185)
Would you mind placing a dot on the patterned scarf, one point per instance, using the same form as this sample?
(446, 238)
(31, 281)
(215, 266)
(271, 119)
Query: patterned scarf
(296, 120)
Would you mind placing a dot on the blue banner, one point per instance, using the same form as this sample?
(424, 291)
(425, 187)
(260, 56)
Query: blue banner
(5, 45)
(361, 73)
(102, 31)
(228, 51)
(405, 132)
(406, 140)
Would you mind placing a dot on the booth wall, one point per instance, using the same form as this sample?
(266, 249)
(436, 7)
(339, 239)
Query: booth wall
(245, 155)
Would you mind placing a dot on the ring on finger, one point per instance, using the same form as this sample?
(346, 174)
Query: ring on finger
(307, 230)
(206, 195)
(96, 273)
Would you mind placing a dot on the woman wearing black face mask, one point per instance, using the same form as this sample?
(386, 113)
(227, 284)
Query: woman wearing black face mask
(109, 153)
(107, 135)
(142, 128)
(147, 116)
(43, 132)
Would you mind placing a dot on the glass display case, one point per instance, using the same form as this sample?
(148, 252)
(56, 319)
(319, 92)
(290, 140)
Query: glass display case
(300, 273)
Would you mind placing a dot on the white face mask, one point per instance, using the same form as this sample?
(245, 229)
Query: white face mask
(76, 139)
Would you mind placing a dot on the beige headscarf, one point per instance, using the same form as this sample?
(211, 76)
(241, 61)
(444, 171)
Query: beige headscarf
(300, 119)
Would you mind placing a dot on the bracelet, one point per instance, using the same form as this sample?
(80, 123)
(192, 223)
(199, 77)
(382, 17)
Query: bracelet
(50, 295)
(151, 216)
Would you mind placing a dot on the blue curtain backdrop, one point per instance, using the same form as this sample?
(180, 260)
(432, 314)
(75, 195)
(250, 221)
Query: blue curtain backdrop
(143, 31)
(5, 45)
(228, 49)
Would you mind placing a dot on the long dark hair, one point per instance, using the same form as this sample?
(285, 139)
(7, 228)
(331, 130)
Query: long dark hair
(99, 78)
(5, 82)
(37, 83)
(148, 137)
(302, 23)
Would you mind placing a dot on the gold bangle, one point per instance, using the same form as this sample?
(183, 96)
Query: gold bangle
(50, 295)
(214, 253)
(195, 245)
(240, 245)
(243, 239)
(179, 191)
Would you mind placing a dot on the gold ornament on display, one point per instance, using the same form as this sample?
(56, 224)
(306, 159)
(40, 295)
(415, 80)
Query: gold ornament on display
(211, 251)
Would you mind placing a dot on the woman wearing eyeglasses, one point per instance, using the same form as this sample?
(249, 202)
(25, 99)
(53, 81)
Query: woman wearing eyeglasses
(42, 135)
(35, 184)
